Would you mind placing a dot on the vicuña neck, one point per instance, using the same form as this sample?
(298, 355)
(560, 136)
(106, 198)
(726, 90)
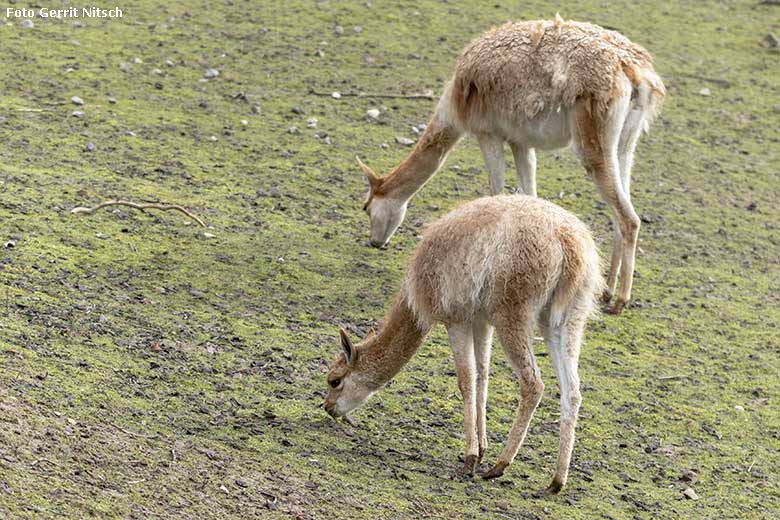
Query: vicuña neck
(420, 165)
(385, 354)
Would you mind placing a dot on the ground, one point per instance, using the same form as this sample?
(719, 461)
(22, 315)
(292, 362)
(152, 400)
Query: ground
(153, 368)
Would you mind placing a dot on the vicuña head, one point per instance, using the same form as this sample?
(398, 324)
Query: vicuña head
(504, 262)
(386, 213)
(348, 387)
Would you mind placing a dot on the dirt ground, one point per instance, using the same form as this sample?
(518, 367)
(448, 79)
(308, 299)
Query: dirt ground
(151, 368)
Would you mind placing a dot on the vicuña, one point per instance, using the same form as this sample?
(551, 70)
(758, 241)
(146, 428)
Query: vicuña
(508, 263)
(539, 84)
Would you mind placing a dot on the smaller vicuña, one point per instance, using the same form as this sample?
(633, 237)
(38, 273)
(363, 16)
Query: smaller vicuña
(506, 262)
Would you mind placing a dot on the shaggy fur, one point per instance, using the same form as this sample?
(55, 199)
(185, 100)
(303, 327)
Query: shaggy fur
(539, 84)
(503, 262)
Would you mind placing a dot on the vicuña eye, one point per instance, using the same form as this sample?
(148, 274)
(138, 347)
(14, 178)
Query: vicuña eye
(335, 383)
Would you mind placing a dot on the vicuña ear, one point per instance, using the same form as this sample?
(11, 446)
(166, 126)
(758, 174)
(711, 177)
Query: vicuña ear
(346, 344)
(374, 180)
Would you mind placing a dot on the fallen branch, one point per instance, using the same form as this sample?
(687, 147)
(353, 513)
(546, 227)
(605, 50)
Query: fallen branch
(142, 207)
(373, 95)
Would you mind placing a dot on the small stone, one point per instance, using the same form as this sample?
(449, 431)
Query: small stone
(705, 92)
(319, 53)
(326, 140)
(78, 113)
(211, 73)
(170, 63)
(90, 147)
(415, 130)
(77, 25)
(771, 41)
(112, 100)
(27, 24)
(137, 60)
(358, 29)
(10, 244)
(739, 408)
(157, 71)
(209, 235)
(336, 95)
(690, 494)
(256, 109)
(373, 113)
(213, 139)
(76, 100)
(244, 122)
(311, 123)
(242, 483)
(296, 110)
(404, 141)
(293, 130)
(158, 85)
(124, 66)
(503, 505)
(338, 29)
(752, 206)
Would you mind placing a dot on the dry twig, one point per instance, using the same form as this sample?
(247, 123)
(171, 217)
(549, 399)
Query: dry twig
(135, 205)
(374, 95)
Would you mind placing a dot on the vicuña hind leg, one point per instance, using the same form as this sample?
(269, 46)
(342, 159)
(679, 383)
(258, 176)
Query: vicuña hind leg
(515, 334)
(564, 342)
(525, 163)
(596, 137)
(462, 343)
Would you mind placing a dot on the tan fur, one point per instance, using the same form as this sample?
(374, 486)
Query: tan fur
(540, 84)
(507, 262)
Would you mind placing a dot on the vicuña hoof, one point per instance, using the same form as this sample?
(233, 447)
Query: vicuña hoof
(469, 465)
(496, 471)
(606, 296)
(617, 308)
(554, 488)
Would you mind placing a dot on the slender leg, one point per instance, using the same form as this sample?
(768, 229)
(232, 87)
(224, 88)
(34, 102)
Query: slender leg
(525, 163)
(515, 335)
(596, 142)
(462, 344)
(493, 152)
(483, 339)
(564, 342)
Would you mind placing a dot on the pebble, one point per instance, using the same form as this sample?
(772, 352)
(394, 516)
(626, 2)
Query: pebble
(338, 29)
(28, 24)
(137, 60)
(90, 147)
(311, 123)
(77, 100)
(293, 130)
(296, 110)
(739, 408)
(157, 71)
(9, 244)
(326, 140)
(336, 95)
(213, 139)
(690, 494)
(705, 92)
(211, 73)
(124, 66)
(404, 141)
(373, 113)
(170, 63)
(244, 122)
(209, 235)
(256, 109)
(358, 29)
(78, 113)
(112, 100)
(77, 25)
(771, 41)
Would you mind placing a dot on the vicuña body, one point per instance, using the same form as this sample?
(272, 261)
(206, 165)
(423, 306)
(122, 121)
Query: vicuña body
(507, 263)
(539, 84)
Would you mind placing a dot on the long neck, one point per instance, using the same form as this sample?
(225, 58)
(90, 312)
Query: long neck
(420, 165)
(385, 354)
